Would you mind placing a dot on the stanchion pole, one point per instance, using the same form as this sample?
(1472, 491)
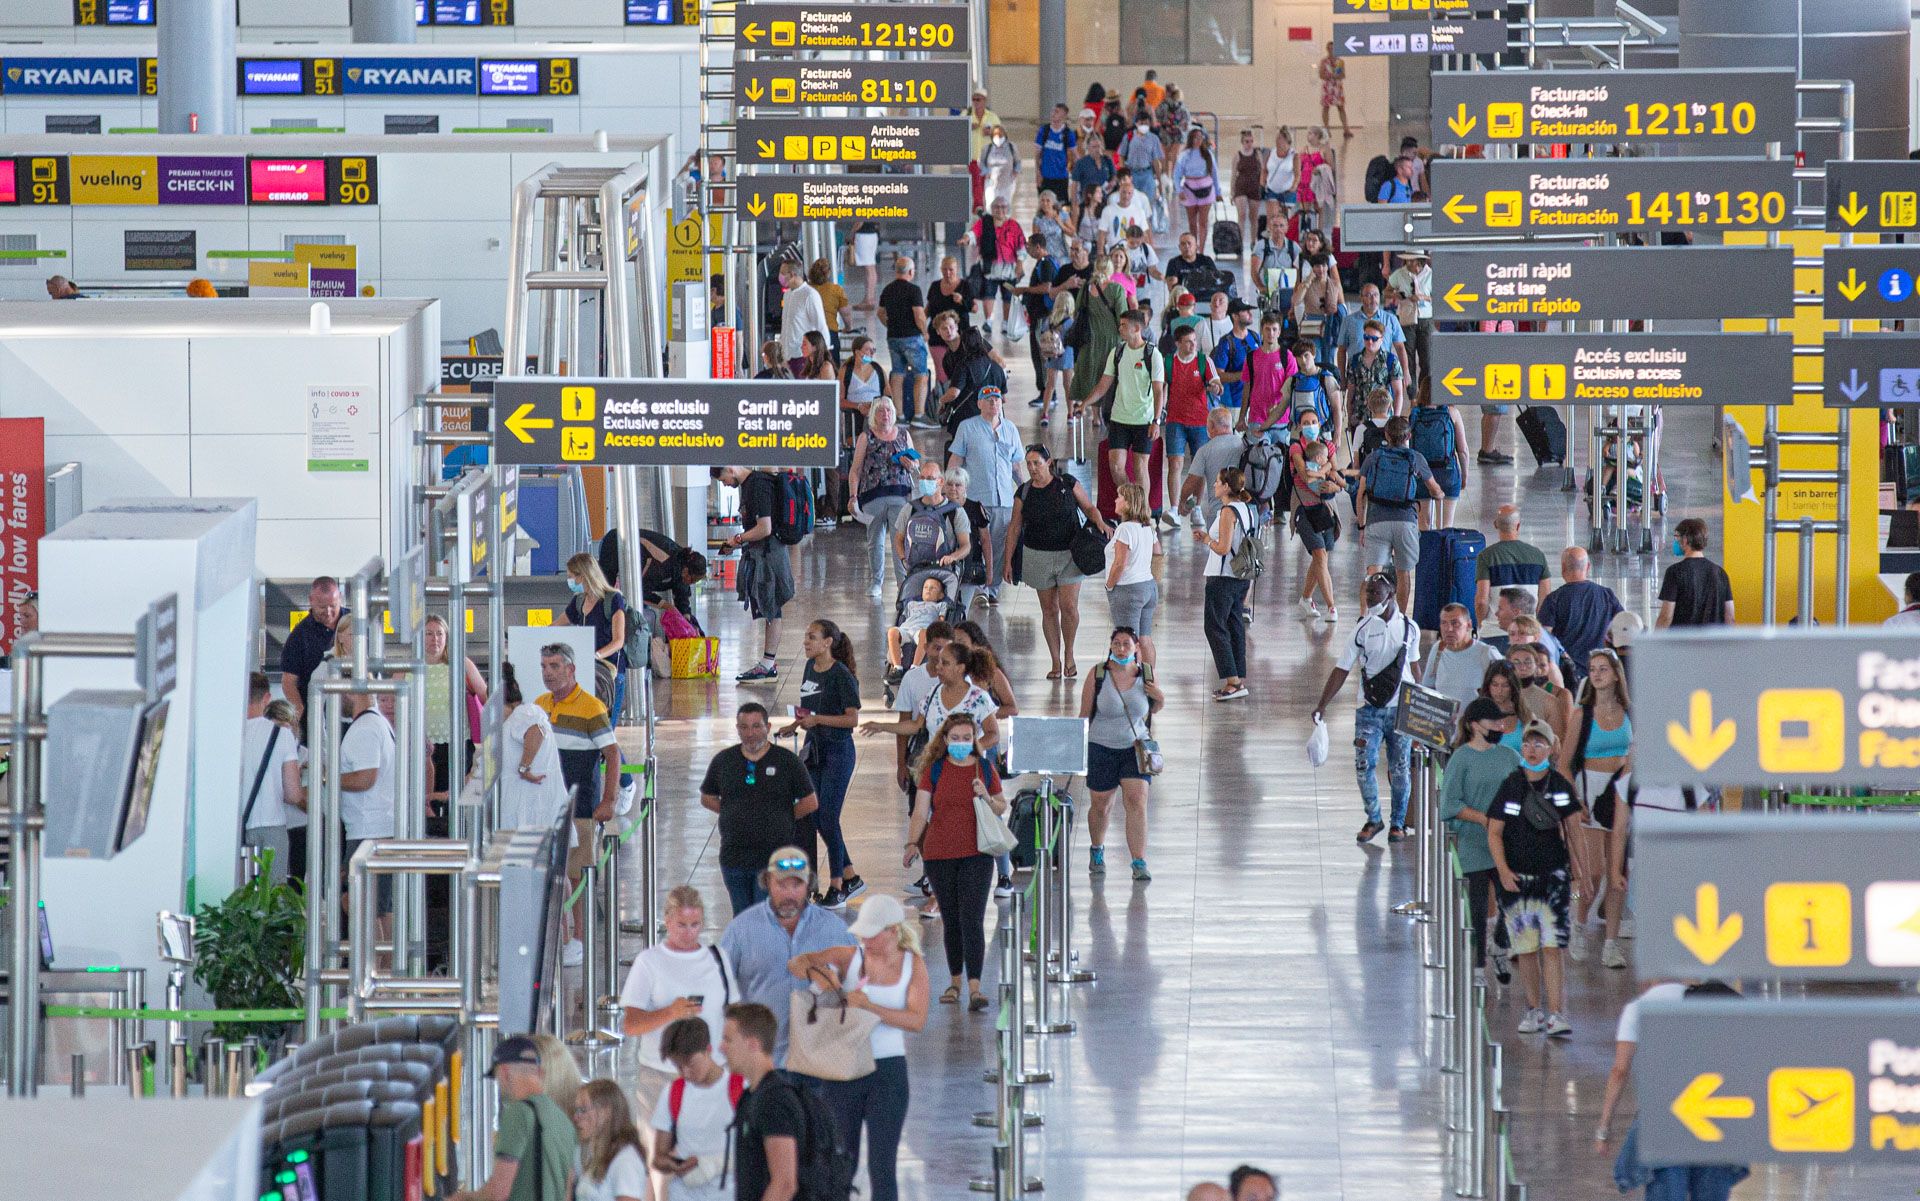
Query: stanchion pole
(1049, 879)
(589, 1034)
(1065, 969)
(1015, 1182)
(607, 1005)
(1419, 906)
(650, 859)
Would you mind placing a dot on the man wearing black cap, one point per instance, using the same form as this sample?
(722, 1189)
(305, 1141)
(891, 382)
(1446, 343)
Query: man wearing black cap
(534, 1145)
(1231, 353)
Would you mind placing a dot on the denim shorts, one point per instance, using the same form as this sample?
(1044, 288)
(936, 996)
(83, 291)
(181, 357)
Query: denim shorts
(909, 356)
(1185, 439)
(1282, 197)
(1062, 361)
(1496, 410)
(1448, 477)
(1121, 436)
(1314, 539)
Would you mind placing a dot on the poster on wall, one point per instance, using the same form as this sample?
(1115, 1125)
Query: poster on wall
(161, 249)
(343, 427)
(23, 518)
(331, 270)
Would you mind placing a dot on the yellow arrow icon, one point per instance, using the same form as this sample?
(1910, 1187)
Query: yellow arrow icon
(1853, 287)
(1456, 207)
(1697, 1107)
(1455, 380)
(1701, 742)
(765, 147)
(520, 423)
(1459, 298)
(1460, 123)
(752, 31)
(756, 206)
(1706, 935)
(1852, 210)
(754, 90)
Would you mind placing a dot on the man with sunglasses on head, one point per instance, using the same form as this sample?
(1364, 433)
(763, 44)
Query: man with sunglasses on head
(1353, 330)
(761, 792)
(763, 939)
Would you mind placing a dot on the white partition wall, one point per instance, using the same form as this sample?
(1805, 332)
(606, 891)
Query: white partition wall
(97, 575)
(210, 398)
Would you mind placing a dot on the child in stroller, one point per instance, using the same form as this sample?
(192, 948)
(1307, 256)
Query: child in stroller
(938, 590)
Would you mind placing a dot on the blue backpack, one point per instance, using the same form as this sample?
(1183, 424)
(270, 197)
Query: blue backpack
(792, 508)
(1392, 476)
(1433, 436)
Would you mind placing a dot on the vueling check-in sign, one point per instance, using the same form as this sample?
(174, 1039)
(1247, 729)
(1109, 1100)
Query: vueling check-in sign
(1763, 707)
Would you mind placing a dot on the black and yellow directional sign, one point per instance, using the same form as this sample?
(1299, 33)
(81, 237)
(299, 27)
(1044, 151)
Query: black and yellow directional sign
(1417, 8)
(570, 421)
(1872, 281)
(1765, 706)
(1510, 107)
(1738, 896)
(1414, 37)
(938, 84)
(1871, 371)
(917, 28)
(893, 141)
(1873, 196)
(1597, 195)
(1610, 283)
(1732, 1081)
(855, 197)
(475, 510)
(1608, 369)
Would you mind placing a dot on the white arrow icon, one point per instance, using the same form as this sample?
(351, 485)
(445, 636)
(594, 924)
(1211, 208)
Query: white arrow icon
(1853, 388)
(1354, 45)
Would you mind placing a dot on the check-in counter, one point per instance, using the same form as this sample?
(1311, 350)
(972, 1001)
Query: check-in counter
(105, 22)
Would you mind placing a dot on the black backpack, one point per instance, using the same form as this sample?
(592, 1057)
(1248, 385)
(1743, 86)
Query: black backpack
(1379, 170)
(792, 508)
(826, 1170)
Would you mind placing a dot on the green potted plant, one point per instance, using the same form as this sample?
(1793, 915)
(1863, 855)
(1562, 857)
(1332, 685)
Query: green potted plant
(248, 950)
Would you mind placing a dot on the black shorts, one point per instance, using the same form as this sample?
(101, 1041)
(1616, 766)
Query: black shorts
(1135, 438)
(1057, 186)
(382, 881)
(1107, 766)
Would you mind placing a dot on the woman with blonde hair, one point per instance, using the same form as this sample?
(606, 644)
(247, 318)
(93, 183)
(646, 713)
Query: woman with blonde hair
(1132, 592)
(439, 716)
(598, 604)
(558, 1071)
(886, 976)
(1599, 761)
(609, 1165)
(949, 775)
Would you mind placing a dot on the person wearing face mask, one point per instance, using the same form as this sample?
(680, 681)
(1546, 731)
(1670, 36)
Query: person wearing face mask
(950, 774)
(1118, 702)
(1143, 157)
(999, 167)
(1384, 646)
(596, 603)
(1533, 834)
(931, 529)
(1477, 767)
(1543, 698)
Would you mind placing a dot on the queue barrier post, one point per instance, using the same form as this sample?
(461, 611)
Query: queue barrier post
(1049, 882)
(589, 1034)
(1064, 969)
(604, 1008)
(1421, 903)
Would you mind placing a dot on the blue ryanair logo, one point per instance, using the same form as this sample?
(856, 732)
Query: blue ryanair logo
(410, 76)
(70, 76)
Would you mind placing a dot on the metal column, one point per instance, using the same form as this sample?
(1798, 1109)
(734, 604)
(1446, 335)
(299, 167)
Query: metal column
(388, 21)
(196, 65)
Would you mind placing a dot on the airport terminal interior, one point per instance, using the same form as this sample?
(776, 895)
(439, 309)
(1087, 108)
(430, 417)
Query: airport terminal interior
(1208, 599)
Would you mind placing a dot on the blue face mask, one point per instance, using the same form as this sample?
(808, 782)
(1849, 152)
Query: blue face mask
(1310, 432)
(1530, 765)
(959, 750)
(1679, 552)
(575, 586)
(1122, 660)
(929, 487)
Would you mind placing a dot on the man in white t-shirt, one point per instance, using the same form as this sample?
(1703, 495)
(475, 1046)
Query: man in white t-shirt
(1626, 1040)
(1127, 206)
(366, 785)
(692, 1119)
(271, 757)
(1383, 635)
(1458, 662)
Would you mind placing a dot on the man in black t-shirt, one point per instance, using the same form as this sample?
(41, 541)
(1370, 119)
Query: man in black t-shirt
(1037, 295)
(1533, 833)
(903, 306)
(1695, 591)
(309, 641)
(771, 1130)
(1188, 262)
(760, 792)
(766, 576)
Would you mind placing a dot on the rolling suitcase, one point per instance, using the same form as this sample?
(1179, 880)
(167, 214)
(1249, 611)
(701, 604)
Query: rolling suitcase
(1077, 464)
(1445, 575)
(1108, 495)
(1226, 231)
(1545, 433)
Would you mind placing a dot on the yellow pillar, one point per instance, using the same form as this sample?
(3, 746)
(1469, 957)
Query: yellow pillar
(1742, 536)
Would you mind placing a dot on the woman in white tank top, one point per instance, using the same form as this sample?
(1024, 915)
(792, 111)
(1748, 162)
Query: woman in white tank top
(886, 976)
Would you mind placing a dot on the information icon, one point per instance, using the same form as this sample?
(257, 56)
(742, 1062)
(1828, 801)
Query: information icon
(1896, 284)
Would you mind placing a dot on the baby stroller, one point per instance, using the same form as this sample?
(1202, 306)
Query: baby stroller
(910, 591)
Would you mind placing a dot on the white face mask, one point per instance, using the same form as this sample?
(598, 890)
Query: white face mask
(1380, 610)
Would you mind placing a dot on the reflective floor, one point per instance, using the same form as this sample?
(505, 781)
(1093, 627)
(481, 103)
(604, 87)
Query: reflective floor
(1257, 1002)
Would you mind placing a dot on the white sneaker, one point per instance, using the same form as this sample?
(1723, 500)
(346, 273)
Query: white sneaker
(1308, 610)
(1532, 1022)
(574, 954)
(1611, 955)
(1557, 1025)
(875, 591)
(1332, 615)
(1626, 927)
(1577, 944)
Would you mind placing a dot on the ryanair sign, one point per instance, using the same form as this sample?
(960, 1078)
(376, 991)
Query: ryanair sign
(73, 76)
(409, 76)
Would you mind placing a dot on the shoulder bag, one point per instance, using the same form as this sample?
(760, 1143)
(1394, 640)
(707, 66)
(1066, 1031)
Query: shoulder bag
(826, 1039)
(1146, 748)
(991, 834)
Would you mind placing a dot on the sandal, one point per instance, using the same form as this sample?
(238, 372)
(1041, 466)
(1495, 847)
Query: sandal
(1054, 674)
(976, 1002)
(950, 996)
(1073, 669)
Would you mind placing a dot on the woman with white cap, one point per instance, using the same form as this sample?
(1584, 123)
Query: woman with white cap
(886, 976)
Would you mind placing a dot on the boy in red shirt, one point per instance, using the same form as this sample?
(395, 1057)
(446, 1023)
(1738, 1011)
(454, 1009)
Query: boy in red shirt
(1192, 383)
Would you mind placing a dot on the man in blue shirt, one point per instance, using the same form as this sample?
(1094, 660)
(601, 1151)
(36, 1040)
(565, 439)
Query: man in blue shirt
(1056, 141)
(1353, 330)
(762, 938)
(1231, 352)
(1399, 188)
(1092, 171)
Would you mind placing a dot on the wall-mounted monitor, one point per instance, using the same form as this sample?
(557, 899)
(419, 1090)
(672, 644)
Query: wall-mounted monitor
(650, 12)
(113, 12)
(287, 180)
(273, 77)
